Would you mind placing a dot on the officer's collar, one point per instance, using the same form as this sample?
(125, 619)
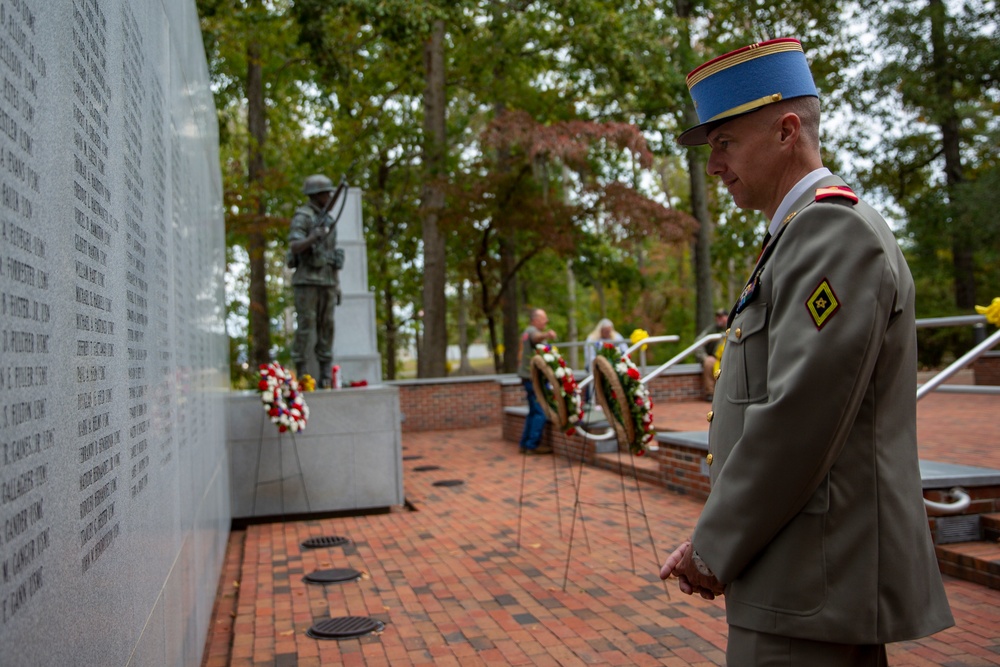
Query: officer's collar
(799, 189)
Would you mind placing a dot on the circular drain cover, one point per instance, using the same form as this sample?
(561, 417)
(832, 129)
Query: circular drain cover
(344, 627)
(325, 541)
(426, 468)
(334, 576)
(412, 457)
(449, 482)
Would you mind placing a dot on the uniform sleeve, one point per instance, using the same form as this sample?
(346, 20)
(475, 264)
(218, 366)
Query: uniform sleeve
(299, 228)
(817, 372)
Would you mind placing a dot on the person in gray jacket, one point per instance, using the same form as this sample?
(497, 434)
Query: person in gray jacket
(815, 528)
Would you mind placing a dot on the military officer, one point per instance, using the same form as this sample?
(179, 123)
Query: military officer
(815, 528)
(317, 261)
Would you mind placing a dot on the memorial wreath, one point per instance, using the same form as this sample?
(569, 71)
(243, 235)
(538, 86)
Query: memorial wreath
(556, 388)
(625, 400)
(283, 402)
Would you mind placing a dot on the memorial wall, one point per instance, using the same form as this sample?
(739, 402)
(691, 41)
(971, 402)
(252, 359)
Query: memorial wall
(114, 498)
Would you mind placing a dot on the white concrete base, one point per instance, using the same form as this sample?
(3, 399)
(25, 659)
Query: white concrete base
(348, 458)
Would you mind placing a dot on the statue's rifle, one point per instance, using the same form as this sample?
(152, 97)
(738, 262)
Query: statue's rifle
(341, 194)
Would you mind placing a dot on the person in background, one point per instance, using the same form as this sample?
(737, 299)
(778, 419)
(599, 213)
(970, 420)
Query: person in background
(814, 528)
(534, 423)
(603, 333)
(706, 354)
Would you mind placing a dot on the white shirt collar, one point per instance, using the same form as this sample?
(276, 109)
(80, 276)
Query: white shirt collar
(808, 181)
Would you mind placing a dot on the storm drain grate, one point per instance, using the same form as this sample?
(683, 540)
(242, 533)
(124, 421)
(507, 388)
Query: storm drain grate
(344, 627)
(449, 482)
(426, 468)
(325, 541)
(412, 457)
(334, 576)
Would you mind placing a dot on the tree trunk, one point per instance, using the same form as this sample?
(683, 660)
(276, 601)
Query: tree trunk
(464, 367)
(963, 265)
(431, 358)
(391, 329)
(508, 303)
(572, 333)
(701, 251)
(259, 316)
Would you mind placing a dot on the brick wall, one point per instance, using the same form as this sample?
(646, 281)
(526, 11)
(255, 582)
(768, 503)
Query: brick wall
(987, 369)
(455, 403)
(450, 403)
(675, 387)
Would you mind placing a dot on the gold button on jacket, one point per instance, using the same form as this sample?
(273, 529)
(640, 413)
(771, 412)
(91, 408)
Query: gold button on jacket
(708, 459)
(710, 415)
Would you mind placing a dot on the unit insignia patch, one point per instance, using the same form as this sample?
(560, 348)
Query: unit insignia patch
(822, 304)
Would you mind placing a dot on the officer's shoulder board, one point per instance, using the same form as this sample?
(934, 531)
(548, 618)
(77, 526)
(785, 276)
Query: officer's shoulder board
(840, 194)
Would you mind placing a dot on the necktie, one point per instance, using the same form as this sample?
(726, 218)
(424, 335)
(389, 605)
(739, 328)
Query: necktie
(767, 237)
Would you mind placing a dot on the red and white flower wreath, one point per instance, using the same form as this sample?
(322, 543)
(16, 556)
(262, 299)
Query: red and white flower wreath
(283, 402)
(556, 388)
(626, 400)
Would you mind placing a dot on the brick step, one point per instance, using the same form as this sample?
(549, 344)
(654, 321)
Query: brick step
(978, 562)
(989, 524)
(647, 468)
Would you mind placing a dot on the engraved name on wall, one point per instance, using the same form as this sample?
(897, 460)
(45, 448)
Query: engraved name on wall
(27, 436)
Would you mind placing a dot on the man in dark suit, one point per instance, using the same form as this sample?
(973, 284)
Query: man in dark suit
(815, 528)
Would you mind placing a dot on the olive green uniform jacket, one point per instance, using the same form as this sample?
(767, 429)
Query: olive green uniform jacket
(319, 265)
(815, 521)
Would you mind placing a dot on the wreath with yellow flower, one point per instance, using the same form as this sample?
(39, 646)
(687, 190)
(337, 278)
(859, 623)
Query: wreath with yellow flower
(283, 402)
(556, 388)
(625, 400)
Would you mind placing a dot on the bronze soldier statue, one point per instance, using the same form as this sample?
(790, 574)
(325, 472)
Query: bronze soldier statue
(317, 261)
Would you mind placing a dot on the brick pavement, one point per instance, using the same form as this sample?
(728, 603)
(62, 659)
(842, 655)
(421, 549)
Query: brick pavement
(453, 587)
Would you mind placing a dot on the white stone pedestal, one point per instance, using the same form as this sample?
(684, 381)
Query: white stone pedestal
(348, 458)
(355, 345)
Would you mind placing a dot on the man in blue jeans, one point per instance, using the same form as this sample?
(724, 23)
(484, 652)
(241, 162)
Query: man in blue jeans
(534, 423)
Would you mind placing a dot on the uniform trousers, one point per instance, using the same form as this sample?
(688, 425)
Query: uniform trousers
(534, 422)
(748, 648)
(314, 306)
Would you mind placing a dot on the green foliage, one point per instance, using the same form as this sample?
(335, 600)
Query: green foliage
(344, 83)
(935, 97)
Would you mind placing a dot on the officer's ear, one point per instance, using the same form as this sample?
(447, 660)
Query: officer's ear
(790, 127)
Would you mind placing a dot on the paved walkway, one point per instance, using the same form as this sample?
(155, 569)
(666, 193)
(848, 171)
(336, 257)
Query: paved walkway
(468, 576)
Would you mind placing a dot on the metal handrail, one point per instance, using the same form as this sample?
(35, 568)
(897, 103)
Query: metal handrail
(961, 501)
(953, 321)
(698, 343)
(958, 365)
(632, 348)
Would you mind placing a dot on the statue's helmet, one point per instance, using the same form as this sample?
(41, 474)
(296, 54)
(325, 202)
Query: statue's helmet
(317, 183)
